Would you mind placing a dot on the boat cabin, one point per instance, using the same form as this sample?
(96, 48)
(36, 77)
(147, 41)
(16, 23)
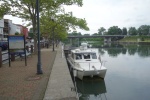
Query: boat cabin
(85, 56)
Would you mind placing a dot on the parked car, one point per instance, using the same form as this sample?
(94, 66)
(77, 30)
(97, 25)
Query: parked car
(4, 45)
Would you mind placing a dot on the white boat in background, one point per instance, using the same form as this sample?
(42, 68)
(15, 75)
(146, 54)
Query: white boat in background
(86, 62)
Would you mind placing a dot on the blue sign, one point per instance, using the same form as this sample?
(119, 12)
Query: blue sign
(16, 42)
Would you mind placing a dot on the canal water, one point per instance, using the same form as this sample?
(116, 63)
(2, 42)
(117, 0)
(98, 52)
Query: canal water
(127, 77)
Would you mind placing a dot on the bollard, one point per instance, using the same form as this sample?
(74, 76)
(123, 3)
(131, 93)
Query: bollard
(1, 57)
(43, 45)
(12, 57)
(31, 48)
(47, 45)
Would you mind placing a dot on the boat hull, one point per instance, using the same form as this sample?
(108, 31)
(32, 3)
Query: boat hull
(80, 67)
(81, 74)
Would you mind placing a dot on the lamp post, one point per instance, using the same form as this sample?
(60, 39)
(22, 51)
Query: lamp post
(52, 18)
(39, 69)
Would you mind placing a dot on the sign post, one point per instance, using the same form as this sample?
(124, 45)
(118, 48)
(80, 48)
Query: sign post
(16, 45)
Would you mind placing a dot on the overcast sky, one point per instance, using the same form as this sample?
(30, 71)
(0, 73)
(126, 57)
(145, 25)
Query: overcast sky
(107, 13)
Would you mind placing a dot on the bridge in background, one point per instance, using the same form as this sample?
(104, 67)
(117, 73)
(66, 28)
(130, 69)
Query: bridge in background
(97, 36)
(107, 38)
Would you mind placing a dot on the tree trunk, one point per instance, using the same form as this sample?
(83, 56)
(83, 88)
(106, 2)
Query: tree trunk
(35, 35)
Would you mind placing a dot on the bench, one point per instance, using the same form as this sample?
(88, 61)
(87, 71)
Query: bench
(27, 54)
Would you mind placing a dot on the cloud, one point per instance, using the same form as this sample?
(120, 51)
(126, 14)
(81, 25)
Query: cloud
(15, 20)
(106, 13)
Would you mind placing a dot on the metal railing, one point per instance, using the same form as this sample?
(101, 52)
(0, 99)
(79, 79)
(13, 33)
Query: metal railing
(4, 57)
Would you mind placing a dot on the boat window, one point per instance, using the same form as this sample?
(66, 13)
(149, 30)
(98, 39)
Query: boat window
(86, 56)
(93, 55)
(78, 56)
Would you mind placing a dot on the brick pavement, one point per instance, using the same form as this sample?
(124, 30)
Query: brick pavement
(20, 82)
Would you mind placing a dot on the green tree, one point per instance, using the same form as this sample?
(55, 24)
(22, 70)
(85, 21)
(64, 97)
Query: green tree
(16, 33)
(61, 24)
(26, 9)
(101, 30)
(95, 34)
(4, 9)
(114, 30)
(124, 31)
(105, 33)
(144, 30)
(132, 31)
(75, 33)
(87, 34)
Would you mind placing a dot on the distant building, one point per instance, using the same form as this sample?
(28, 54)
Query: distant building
(8, 28)
(14, 29)
(1, 28)
(23, 30)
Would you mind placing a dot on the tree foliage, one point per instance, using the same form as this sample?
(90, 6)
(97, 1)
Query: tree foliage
(114, 30)
(132, 31)
(4, 9)
(75, 33)
(124, 31)
(144, 30)
(26, 9)
(61, 24)
(101, 30)
(95, 34)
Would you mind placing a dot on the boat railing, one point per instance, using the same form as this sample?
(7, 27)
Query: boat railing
(100, 59)
(102, 62)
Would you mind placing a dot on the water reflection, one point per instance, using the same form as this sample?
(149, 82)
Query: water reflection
(127, 77)
(91, 88)
(116, 49)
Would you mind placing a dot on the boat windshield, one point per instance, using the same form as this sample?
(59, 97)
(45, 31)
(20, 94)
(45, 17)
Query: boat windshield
(85, 56)
(78, 56)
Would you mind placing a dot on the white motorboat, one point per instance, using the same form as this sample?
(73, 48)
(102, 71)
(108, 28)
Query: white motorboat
(86, 62)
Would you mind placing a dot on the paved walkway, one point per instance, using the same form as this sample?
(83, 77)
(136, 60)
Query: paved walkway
(60, 84)
(20, 82)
